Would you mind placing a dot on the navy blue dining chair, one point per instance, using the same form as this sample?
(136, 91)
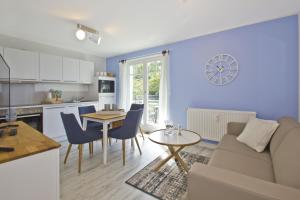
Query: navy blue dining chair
(128, 130)
(77, 136)
(136, 106)
(97, 125)
(86, 110)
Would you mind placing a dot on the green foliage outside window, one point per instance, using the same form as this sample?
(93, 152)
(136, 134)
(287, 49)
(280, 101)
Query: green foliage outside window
(153, 79)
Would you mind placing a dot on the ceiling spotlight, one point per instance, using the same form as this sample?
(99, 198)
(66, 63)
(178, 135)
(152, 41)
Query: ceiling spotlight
(80, 34)
(84, 31)
(95, 38)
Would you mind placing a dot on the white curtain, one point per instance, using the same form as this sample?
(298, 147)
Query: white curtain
(124, 94)
(164, 90)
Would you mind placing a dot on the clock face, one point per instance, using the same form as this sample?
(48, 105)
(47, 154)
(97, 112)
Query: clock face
(221, 69)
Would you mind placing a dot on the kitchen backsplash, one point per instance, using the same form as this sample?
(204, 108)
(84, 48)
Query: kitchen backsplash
(31, 94)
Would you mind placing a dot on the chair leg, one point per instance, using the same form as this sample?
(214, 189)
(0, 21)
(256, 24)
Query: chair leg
(109, 141)
(67, 154)
(123, 151)
(102, 143)
(79, 157)
(142, 133)
(137, 143)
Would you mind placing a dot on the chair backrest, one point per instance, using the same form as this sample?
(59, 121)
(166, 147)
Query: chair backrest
(135, 106)
(72, 128)
(131, 123)
(86, 110)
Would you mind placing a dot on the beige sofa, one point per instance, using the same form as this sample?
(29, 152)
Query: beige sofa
(236, 172)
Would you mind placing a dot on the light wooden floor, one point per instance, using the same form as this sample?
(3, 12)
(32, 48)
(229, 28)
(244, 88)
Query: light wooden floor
(98, 181)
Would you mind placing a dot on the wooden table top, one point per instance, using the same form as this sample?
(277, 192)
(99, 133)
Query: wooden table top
(103, 117)
(28, 141)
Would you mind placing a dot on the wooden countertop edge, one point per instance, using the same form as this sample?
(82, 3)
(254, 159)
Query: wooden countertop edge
(51, 144)
(30, 154)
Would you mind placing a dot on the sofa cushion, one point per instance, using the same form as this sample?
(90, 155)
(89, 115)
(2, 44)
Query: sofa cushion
(285, 125)
(286, 162)
(240, 163)
(230, 143)
(258, 133)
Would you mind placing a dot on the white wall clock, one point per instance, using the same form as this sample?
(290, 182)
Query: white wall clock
(221, 69)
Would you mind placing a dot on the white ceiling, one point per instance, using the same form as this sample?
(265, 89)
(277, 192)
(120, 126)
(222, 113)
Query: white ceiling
(129, 25)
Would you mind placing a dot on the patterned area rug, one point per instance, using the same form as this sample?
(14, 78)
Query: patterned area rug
(169, 183)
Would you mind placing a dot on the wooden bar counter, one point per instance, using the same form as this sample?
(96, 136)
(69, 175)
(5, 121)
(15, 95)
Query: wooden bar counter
(27, 142)
(31, 171)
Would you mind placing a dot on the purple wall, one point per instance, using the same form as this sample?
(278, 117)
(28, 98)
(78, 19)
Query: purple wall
(268, 70)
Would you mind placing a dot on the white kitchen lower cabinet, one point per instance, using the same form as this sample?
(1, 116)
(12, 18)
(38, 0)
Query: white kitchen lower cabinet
(74, 110)
(52, 123)
(33, 177)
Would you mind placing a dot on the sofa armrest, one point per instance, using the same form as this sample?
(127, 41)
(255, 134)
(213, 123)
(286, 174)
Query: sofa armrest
(235, 128)
(210, 183)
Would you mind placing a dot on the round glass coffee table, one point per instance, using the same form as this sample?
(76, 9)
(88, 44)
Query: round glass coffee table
(175, 143)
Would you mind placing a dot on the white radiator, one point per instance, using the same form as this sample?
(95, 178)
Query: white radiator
(212, 124)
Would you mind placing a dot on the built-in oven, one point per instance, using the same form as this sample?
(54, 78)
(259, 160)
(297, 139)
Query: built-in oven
(106, 85)
(33, 116)
(34, 120)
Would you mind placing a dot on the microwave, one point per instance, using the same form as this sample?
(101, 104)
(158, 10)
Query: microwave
(106, 85)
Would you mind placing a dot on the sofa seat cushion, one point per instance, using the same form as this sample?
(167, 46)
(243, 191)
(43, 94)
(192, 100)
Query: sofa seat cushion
(243, 164)
(230, 143)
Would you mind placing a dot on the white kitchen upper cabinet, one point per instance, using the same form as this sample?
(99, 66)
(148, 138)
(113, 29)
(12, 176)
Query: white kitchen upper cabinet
(86, 73)
(50, 67)
(24, 65)
(70, 69)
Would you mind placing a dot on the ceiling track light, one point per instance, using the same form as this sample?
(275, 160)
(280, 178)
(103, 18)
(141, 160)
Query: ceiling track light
(84, 31)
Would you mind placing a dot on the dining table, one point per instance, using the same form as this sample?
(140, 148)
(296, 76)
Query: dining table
(106, 119)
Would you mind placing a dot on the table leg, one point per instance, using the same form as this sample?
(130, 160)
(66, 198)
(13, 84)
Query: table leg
(172, 150)
(132, 143)
(179, 159)
(105, 131)
(174, 153)
(84, 125)
(163, 162)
